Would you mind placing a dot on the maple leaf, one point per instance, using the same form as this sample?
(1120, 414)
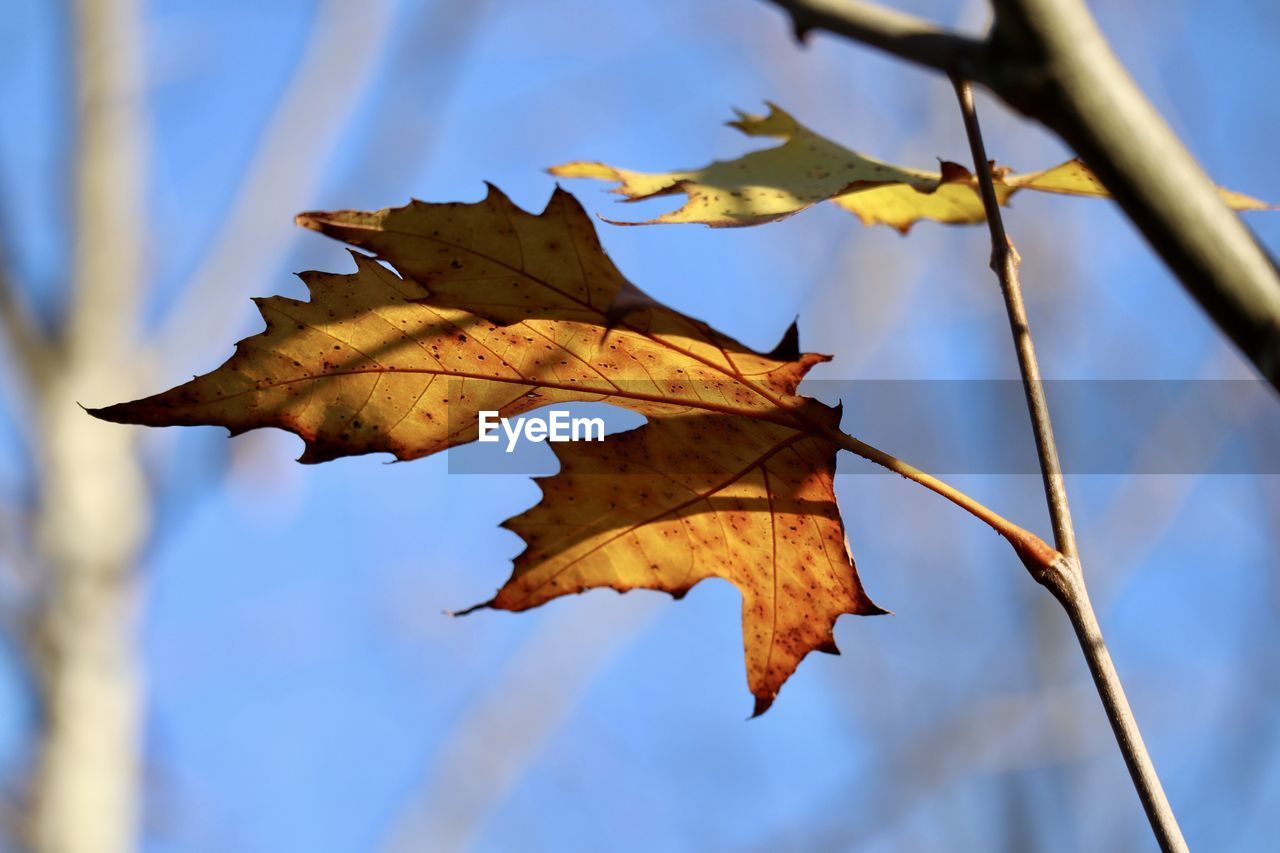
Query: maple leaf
(683, 499)
(807, 169)
(488, 307)
(499, 303)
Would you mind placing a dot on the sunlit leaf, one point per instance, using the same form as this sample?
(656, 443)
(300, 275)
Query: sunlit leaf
(807, 169)
(487, 307)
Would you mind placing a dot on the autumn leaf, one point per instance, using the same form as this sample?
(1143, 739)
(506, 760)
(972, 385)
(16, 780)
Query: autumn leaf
(806, 169)
(488, 307)
(683, 499)
(498, 303)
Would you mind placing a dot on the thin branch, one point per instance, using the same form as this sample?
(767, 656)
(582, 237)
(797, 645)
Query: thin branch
(1036, 554)
(29, 346)
(905, 36)
(1005, 262)
(1049, 60)
(1066, 581)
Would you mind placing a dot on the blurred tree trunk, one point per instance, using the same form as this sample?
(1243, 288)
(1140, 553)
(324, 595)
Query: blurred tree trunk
(92, 511)
(94, 508)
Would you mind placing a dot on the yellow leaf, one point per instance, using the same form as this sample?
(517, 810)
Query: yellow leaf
(1074, 178)
(491, 308)
(806, 169)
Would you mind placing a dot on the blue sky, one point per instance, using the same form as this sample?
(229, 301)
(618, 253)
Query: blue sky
(305, 689)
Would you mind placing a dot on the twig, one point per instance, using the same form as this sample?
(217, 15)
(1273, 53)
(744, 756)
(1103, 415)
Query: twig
(31, 354)
(1049, 60)
(1005, 262)
(29, 345)
(1066, 582)
(905, 36)
(1036, 554)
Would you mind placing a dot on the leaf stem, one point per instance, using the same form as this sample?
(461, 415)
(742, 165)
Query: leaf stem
(1065, 579)
(1036, 554)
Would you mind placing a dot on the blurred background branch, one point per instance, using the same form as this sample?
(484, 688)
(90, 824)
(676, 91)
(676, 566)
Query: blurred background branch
(29, 350)
(523, 711)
